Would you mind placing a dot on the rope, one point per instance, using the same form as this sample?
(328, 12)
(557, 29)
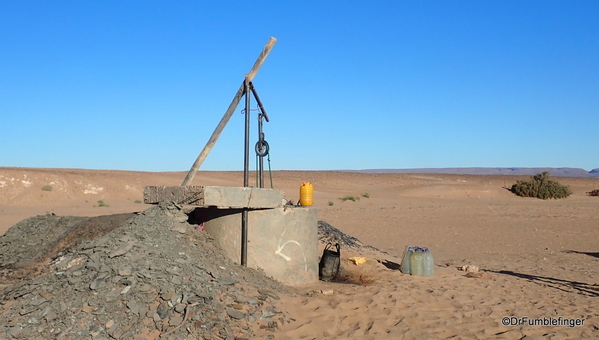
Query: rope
(257, 170)
(269, 171)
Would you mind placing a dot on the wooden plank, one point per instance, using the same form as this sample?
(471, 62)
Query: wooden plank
(221, 125)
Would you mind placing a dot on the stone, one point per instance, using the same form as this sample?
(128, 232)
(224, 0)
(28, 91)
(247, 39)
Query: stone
(235, 314)
(470, 268)
(97, 283)
(179, 308)
(176, 320)
(122, 250)
(134, 307)
(91, 265)
(124, 270)
(267, 314)
(113, 294)
(109, 324)
(176, 298)
(227, 281)
(180, 228)
(269, 293)
(167, 295)
(144, 288)
(37, 301)
(163, 309)
(76, 264)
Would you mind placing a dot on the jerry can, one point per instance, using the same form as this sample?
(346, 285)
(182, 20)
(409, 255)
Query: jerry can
(306, 194)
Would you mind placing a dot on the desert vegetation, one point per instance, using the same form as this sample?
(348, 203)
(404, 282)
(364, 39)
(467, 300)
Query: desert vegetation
(350, 198)
(540, 186)
(593, 192)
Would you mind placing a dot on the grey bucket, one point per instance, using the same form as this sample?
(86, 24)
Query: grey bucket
(328, 268)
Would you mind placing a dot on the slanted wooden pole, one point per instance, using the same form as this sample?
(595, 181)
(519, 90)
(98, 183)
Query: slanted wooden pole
(221, 125)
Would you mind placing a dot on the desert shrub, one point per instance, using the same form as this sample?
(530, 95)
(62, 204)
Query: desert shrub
(350, 198)
(540, 186)
(593, 192)
(47, 187)
(366, 195)
(331, 203)
(138, 201)
(102, 204)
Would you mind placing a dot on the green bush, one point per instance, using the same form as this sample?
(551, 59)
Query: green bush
(366, 195)
(350, 198)
(102, 204)
(47, 187)
(331, 203)
(594, 192)
(138, 201)
(540, 186)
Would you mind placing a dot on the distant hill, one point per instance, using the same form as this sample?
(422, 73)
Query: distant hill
(558, 172)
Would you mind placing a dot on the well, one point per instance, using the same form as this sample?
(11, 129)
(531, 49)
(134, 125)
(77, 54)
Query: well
(282, 240)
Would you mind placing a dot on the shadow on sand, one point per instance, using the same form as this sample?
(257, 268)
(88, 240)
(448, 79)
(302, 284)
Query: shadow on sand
(563, 285)
(390, 264)
(582, 252)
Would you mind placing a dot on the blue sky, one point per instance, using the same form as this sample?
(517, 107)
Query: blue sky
(141, 85)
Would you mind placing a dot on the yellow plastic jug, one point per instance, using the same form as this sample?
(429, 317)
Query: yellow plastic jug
(306, 194)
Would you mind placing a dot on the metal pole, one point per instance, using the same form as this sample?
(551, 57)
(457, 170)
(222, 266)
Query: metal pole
(228, 113)
(261, 158)
(255, 93)
(244, 237)
(246, 174)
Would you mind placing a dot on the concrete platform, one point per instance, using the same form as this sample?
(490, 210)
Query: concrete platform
(283, 242)
(215, 196)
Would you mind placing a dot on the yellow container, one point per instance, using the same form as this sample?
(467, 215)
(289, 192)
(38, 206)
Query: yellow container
(306, 194)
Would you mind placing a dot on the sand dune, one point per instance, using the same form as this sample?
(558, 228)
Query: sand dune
(540, 259)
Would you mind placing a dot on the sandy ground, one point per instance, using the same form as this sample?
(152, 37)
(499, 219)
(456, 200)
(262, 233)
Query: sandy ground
(540, 259)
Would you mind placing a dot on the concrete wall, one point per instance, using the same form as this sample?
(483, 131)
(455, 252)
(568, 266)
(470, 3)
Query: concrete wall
(216, 196)
(283, 242)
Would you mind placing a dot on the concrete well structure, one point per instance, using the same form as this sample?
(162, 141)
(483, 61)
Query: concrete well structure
(282, 240)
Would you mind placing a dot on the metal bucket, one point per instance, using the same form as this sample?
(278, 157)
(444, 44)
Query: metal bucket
(329, 263)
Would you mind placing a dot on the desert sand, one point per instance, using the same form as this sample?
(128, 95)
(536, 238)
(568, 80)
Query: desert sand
(537, 259)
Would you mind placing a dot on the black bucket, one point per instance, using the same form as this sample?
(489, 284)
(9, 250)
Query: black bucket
(328, 268)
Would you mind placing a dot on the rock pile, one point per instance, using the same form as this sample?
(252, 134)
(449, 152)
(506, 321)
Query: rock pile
(139, 276)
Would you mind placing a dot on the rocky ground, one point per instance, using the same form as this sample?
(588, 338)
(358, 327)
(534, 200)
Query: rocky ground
(128, 276)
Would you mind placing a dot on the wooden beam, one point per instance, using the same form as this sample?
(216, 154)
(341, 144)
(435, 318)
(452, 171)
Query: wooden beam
(229, 112)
